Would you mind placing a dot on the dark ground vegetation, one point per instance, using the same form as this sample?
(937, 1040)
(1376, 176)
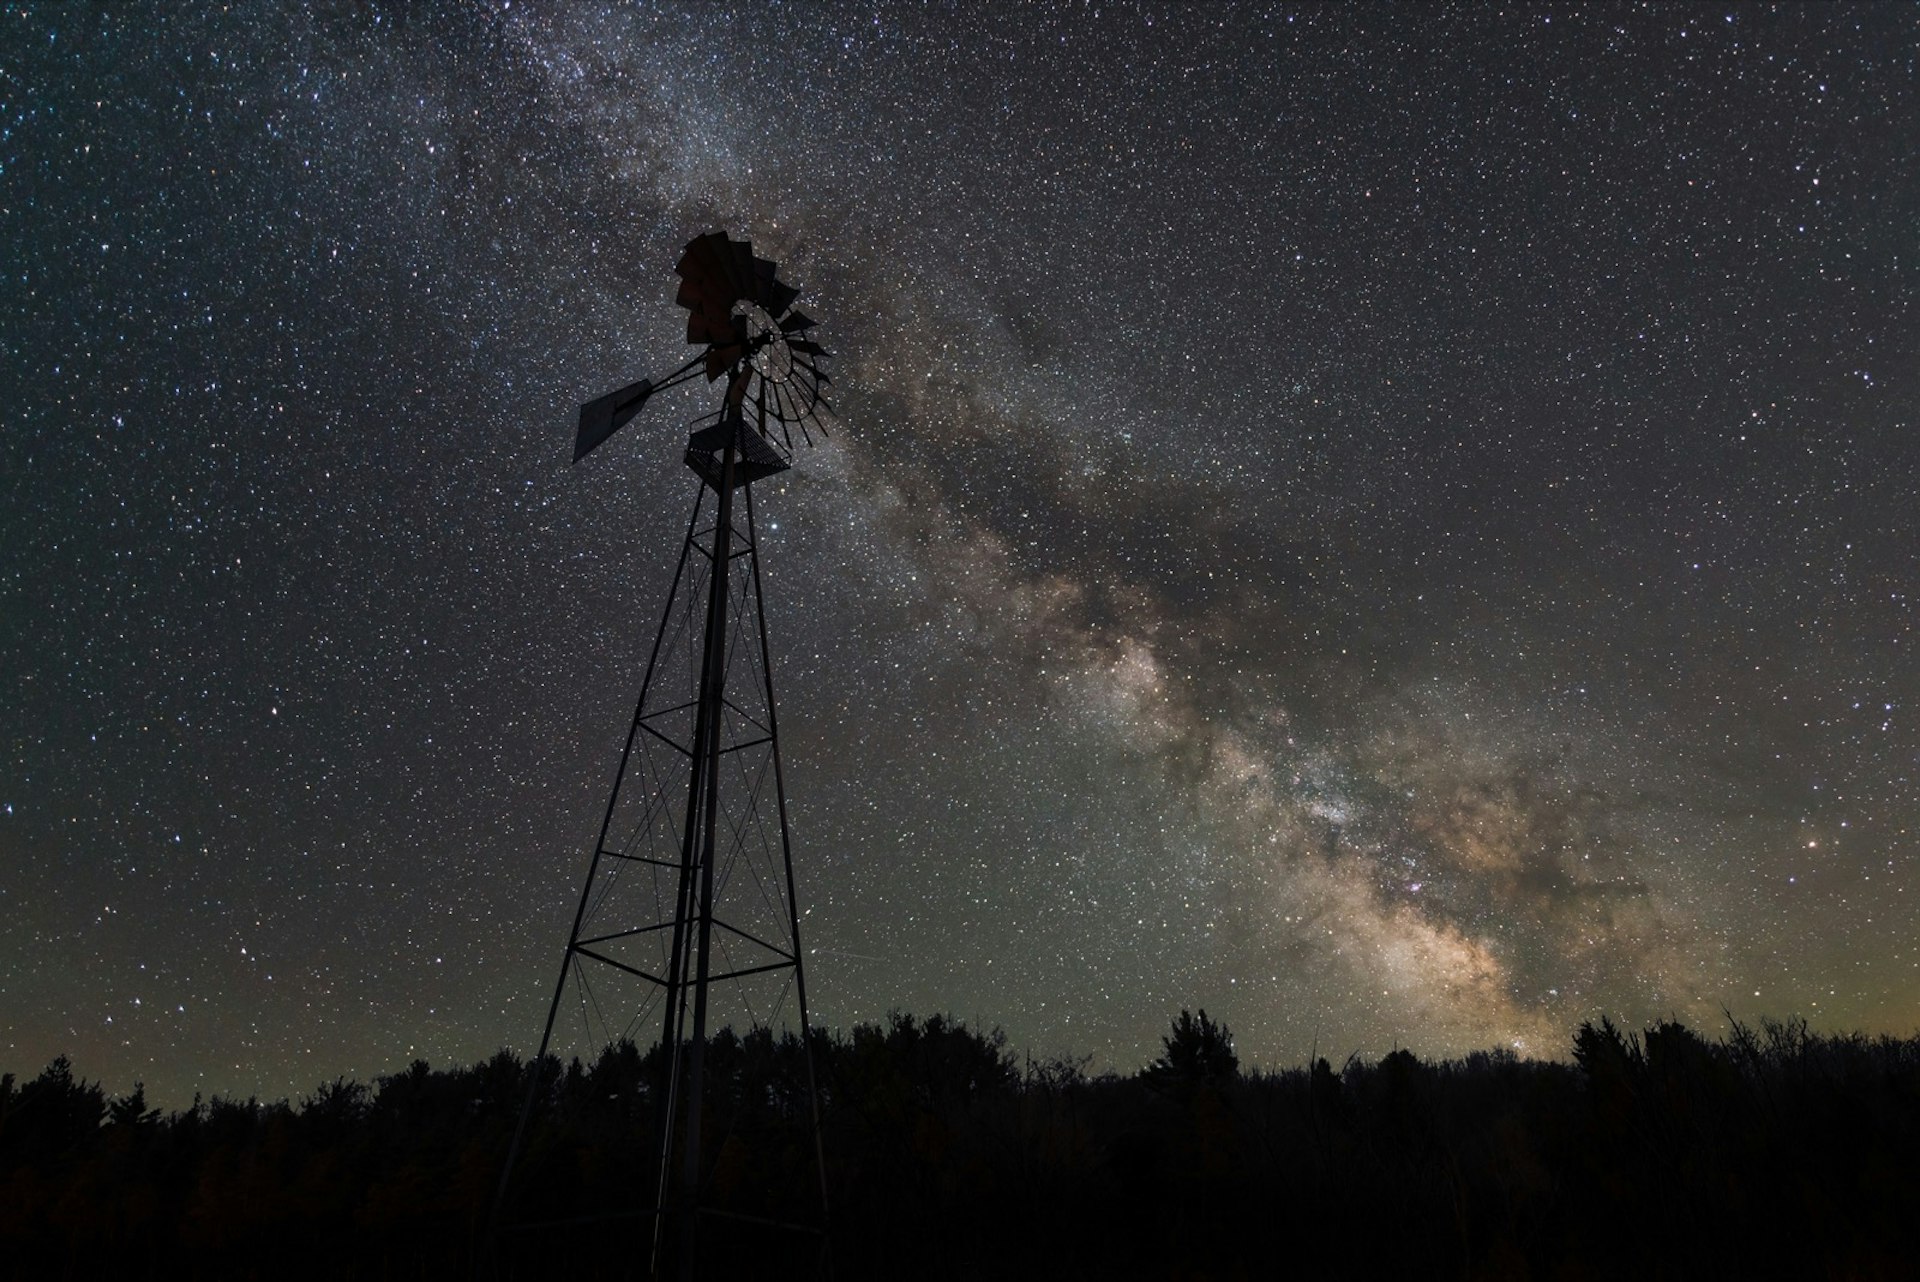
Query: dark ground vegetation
(1771, 1152)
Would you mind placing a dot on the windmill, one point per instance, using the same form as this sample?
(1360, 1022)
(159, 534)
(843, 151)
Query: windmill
(688, 914)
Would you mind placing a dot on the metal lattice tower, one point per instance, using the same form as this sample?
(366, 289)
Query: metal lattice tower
(688, 919)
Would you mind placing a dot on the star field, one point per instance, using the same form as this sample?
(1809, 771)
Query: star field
(1394, 526)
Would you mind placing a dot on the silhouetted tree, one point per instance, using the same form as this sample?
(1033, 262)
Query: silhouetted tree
(1196, 1051)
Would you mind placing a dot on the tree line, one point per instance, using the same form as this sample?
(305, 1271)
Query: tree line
(1771, 1150)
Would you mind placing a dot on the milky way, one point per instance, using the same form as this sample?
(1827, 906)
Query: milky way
(1393, 526)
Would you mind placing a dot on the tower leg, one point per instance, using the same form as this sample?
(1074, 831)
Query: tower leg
(707, 765)
(593, 869)
(793, 898)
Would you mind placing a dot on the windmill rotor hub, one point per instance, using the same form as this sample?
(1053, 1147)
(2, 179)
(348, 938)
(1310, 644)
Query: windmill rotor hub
(766, 347)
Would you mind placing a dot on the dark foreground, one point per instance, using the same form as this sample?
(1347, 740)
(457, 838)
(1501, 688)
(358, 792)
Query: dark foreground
(1769, 1153)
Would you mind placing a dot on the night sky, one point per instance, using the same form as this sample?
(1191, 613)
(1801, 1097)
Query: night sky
(1393, 525)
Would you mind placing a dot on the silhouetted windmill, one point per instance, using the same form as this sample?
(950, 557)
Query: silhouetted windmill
(688, 914)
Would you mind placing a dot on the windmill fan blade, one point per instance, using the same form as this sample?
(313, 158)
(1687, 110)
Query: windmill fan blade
(696, 290)
(688, 296)
(707, 288)
(778, 297)
(706, 324)
(704, 256)
(703, 328)
(701, 274)
(605, 415)
(760, 405)
(728, 348)
(740, 269)
(808, 346)
(765, 276)
(796, 322)
(773, 296)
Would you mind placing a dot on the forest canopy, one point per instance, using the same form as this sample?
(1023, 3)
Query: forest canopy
(1660, 1153)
